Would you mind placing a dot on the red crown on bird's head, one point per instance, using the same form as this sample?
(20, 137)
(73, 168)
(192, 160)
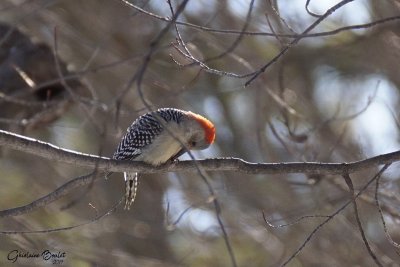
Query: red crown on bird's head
(207, 125)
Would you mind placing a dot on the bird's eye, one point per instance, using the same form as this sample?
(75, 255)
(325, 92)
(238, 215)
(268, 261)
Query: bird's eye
(193, 143)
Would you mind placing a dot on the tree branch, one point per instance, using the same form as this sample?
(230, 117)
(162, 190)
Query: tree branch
(49, 198)
(350, 185)
(50, 151)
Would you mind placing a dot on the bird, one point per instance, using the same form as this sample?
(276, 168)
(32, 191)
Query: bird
(161, 136)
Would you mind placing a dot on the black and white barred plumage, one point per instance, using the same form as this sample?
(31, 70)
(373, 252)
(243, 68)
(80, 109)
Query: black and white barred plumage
(143, 130)
(147, 140)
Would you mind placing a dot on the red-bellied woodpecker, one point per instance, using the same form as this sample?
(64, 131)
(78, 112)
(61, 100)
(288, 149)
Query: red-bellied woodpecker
(161, 136)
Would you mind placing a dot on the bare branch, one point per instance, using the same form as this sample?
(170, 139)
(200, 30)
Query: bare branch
(55, 153)
(389, 238)
(350, 185)
(200, 171)
(296, 40)
(238, 32)
(309, 11)
(330, 217)
(49, 198)
(60, 229)
(296, 221)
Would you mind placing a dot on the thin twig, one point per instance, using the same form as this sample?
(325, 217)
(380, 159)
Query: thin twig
(60, 229)
(309, 11)
(138, 77)
(275, 10)
(350, 185)
(389, 238)
(200, 171)
(296, 40)
(319, 226)
(49, 198)
(298, 220)
(75, 97)
(236, 32)
(239, 38)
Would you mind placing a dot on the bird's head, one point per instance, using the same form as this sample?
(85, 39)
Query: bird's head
(200, 132)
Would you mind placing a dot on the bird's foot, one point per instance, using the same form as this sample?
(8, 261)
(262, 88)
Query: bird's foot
(173, 161)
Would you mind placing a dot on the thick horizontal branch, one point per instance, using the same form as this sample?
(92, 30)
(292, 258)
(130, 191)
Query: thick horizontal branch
(49, 151)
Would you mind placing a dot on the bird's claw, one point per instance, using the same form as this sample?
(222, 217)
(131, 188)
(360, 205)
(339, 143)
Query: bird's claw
(174, 161)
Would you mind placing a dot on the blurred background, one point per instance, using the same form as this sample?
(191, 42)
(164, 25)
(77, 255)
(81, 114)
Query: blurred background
(66, 72)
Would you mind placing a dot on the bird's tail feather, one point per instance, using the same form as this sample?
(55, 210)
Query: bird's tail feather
(107, 175)
(131, 185)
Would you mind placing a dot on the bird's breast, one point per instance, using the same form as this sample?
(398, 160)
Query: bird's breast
(160, 151)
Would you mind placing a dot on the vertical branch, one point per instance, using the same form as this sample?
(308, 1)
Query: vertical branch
(200, 171)
(349, 183)
(389, 238)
